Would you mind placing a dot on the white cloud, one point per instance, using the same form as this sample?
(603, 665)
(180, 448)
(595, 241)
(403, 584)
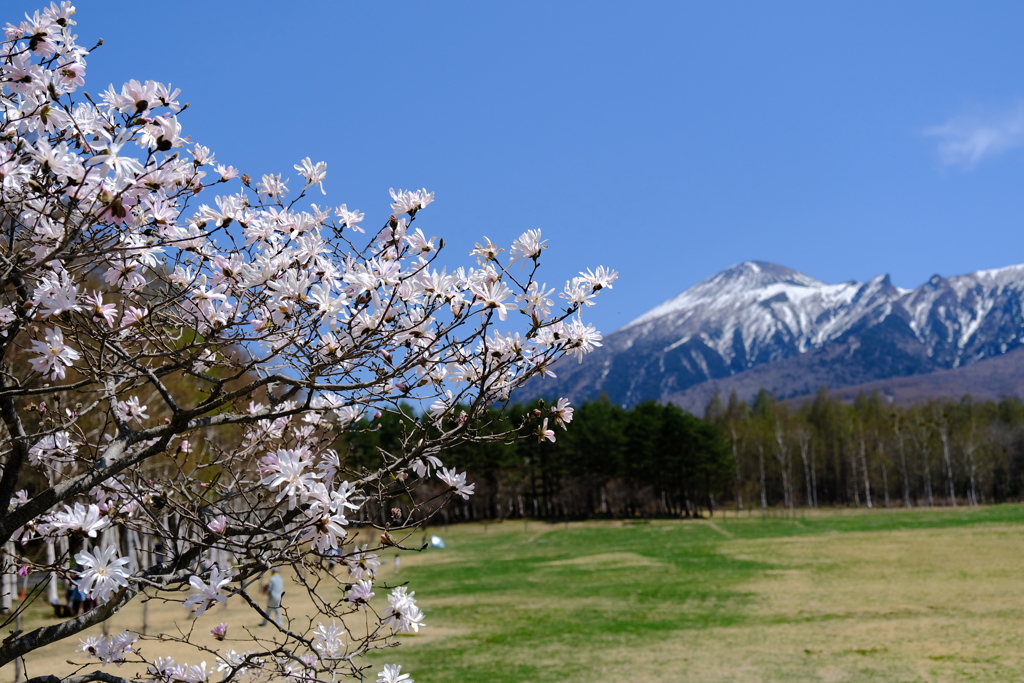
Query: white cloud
(964, 141)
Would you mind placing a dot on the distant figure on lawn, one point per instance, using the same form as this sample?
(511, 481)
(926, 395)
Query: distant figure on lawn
(275, 591)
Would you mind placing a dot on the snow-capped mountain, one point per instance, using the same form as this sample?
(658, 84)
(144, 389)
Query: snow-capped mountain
(797, 333)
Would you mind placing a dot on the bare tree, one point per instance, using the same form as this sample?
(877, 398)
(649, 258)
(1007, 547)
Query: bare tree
(942, 426)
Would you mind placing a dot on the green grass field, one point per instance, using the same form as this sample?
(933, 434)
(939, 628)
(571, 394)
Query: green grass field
(921, 595)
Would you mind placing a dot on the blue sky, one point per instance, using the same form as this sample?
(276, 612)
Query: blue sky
(668, 140)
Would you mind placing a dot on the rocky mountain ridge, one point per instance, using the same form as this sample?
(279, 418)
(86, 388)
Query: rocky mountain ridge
(761, 323)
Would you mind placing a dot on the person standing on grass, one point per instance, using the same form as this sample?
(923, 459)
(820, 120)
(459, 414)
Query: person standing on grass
(275, 591)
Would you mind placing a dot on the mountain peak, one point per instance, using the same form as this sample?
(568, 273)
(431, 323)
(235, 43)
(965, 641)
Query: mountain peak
(743, 279)
(759, 274)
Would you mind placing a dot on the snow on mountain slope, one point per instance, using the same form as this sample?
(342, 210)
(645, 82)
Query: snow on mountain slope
(766, 306)
(758, 313)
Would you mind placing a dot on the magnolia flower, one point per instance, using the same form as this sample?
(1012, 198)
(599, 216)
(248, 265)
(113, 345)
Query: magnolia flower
(131, 410)
(235, 662)
(360, 593)
(362, 564)
(544, 433)
(287, 469)
(209, 594)
(410, 202)
(272, 187)
(101, 312)
(111, 649)
(528, 246)
(55, 354)
(402, 614)
(314, 174)
(226, 172)
(488, 251)
(103, 574)
(220, 631)
(349, 218)
(600, 278)
(52, 446)
(391, 674)
(537, 303)
(87, 520)
(562, 413)
(218, 524)
(457, 482)
(7, 317)
(327, 640)
(492, 295)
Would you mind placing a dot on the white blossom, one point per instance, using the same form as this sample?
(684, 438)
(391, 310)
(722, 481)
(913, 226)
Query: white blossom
(104, 572)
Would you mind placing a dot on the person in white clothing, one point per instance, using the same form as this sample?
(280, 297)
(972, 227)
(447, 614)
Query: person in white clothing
(275, 591)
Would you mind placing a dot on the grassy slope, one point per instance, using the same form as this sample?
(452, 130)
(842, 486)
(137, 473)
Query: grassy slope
(919, 595)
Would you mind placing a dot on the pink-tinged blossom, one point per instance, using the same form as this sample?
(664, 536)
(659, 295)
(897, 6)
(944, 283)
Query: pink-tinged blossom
(203, 155)
(327, 521)
(109, 649)
(242, 283)
(578, 293)
(582, 338)
(544, 433)
(218, 524)
(272, 187)
(349, 218)
(132, 411)
(55, 354)
(57, 445)
(423, 466)
(233, 662)
(313, 174)
(441, 406)
(536, 301)
(287, 469)
(209, 594)
(104, 572)
(362, 564)
(7, 318)
(562, 413)
(86, 520)
(56, 293)
(101, 312)
(132, 316)
(486, 251)
(360, 592)
(226, 172)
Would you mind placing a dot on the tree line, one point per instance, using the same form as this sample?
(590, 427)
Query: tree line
(868, 453)
(657, 460)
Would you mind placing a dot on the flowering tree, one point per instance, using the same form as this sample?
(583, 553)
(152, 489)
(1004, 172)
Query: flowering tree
(182, 377)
